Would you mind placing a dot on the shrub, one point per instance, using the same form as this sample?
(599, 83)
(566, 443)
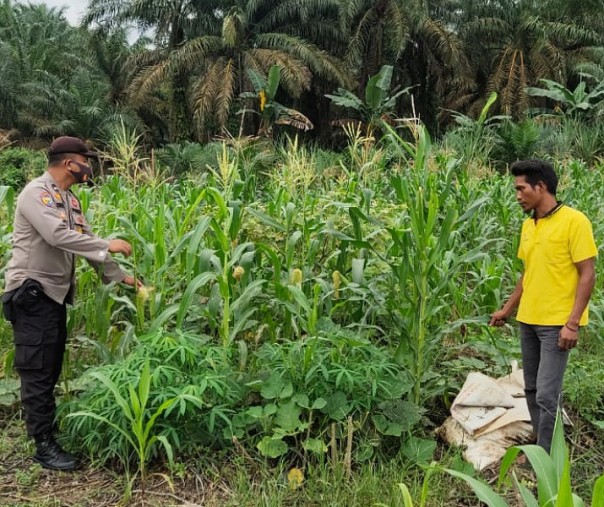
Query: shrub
(19, 165)
(187, 157)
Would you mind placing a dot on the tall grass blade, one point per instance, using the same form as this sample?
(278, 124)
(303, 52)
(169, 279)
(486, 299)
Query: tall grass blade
(407, 500)
(483, 491)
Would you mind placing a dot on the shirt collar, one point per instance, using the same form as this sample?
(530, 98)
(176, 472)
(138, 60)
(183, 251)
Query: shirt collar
(558, 205)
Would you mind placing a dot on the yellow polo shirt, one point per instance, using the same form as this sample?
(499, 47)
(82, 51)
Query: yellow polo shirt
(549, 249)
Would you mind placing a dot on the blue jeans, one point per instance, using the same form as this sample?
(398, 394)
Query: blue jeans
(544, 364)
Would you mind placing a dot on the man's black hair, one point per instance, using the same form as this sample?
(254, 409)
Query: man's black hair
(57, 158)
(535, 171)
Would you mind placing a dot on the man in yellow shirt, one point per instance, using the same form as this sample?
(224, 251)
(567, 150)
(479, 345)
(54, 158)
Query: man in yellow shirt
(558, 251)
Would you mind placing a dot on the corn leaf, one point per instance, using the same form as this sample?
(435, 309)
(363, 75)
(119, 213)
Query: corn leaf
(547, 480)
(598, 494)
(190, 291)
(559, 451)
(482, 490)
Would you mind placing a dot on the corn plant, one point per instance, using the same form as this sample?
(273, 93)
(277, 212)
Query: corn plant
(141, 418)
(7, 209)
(552, 472)
(425, 256)
(474, 138)
(123, 153)
(184, 367)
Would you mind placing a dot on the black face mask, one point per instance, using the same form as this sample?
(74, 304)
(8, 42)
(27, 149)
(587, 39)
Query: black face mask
(85, 170)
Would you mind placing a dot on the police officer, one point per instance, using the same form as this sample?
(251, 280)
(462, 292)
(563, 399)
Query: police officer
(49, 231)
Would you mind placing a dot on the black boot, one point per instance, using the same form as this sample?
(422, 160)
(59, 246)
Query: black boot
(50, 455)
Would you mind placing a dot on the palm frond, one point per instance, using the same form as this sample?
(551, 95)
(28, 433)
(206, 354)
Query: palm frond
(360, 39)
(320, 62)
(294, 119)
(205, 92)
(301, 13)
(194, 53)
(147, 81)
(225, 93)
(295, 76)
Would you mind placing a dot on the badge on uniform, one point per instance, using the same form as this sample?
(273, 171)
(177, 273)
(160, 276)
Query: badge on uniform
(73, 202)
(58, 197)
(79, 229)
(62, 215)
(79, 219)
(46, 199)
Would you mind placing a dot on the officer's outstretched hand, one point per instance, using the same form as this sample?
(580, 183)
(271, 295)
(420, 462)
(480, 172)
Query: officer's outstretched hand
(120, 246)
(133, 282)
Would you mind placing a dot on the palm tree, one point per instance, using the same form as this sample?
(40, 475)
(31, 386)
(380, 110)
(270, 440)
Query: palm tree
(118, 61)
(586, 13)
(411, 36)
(378, 32)
(34, 40)
(434, 58)
(518, 45)
(77, 107)
(172, 23)
(254, 35)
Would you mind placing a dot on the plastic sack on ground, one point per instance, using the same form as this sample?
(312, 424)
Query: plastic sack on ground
(487, 417)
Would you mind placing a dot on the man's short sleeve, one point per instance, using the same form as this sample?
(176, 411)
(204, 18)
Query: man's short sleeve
(521, 250)
(582, 245)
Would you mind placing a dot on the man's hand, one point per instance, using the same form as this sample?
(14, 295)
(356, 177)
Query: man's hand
(133, 282)
(568, 338)
(498, 318)
(120, 246)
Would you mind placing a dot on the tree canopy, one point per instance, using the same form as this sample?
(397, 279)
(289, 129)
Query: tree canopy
(187, 77)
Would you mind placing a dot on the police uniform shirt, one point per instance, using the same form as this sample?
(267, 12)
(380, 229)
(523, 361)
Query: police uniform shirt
(49, 231)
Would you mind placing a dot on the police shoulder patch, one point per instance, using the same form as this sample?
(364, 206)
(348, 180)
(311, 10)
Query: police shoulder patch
(46, 198)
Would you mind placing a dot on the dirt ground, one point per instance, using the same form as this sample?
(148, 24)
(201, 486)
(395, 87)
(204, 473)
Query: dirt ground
(24, 483)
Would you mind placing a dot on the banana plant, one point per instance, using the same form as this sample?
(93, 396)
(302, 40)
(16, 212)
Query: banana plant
(576, 103)
(378, 105)
(271, 111)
